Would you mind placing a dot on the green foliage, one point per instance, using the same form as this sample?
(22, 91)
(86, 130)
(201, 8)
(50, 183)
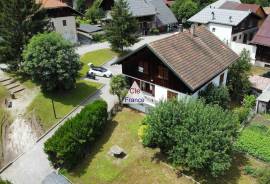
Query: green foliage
(154, 31)
(19, 21)
(142, 131)
(4, 181)
(118, 87)
(81, 6)
(193, 134)
(122, 30)
(263, 3)
(249, 101)
(255, 140)
(82, 20)
(75, 138)
(95, 13)
(99, 37)
(218, 95)
(183, 10)
(51, 60)
(243, 112)
(249, 170)
(237, 82)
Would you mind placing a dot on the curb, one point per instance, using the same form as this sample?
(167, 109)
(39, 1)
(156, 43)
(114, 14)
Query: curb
(54, 126)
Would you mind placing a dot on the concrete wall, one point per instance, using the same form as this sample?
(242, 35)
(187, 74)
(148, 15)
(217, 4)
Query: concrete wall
(69, 31)
(223, 32)
(238, 47)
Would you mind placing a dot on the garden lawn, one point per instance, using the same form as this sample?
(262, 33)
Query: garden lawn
(64, 102)
(142, 165)
(3, 95)
(255, 140)
(98, 58)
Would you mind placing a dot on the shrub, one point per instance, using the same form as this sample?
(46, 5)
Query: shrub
(141, 132)
(4, 181)
(51, 60)
(255, 140)
(249, 101)
(154, 31)
(71, 141)
(249, 170)
(98, 37)
(193, 134)
(243, 112)
(216, 95)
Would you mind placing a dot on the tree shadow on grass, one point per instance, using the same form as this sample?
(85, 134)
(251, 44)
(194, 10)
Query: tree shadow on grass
(74, 96)
(97, 147)
(231, 176)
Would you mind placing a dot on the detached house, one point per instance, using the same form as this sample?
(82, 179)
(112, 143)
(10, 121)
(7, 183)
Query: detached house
(62, 18)
(149, 13)
(178, 66)
(233, 23)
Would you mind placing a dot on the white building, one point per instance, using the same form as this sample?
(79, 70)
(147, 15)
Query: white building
(178, 66)
(62, 18)
(233, 23)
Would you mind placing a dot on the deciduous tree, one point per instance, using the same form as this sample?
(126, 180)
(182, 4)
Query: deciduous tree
(118, 87)
(51, 60)
(192, 134)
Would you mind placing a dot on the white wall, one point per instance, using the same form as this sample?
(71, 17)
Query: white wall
(160, 93)
(215, 81)
(223, 32)
(69, 31)
(238, 47)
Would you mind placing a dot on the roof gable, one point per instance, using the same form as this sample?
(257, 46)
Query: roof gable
(262, 37)
(195, 60)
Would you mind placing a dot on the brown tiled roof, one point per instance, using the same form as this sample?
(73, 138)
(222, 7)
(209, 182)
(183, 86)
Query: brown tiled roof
(262, 37)
(195, 59)
(259, 83)
(241, 6)
(52, 4)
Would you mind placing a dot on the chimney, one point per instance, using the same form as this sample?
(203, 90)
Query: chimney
(192, 30)
(180, 27)
(213, 15)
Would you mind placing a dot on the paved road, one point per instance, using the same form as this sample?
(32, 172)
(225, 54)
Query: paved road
(33, 167)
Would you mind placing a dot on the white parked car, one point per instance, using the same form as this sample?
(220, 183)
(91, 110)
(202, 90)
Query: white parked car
(99, 71)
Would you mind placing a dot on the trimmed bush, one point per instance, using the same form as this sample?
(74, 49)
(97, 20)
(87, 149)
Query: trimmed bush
(73, 140)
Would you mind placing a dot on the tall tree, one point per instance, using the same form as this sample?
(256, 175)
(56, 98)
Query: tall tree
(19, 21)
(118, 87)
(237, 81)
(95, 13)
(122, 30)
(184, 9)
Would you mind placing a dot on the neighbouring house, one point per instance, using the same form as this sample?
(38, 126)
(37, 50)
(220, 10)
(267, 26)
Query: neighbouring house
(87, 32)
(261, 88)
(262, 41)
(178, 66)
(149, 13)
(62, 18)
(233, 23)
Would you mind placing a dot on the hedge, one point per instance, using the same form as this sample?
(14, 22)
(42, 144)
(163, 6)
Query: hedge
(74, 139)
(255, 140)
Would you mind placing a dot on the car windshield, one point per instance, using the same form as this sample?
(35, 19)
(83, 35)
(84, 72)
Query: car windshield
(103, 69)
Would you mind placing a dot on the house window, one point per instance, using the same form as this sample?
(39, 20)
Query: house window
(221, 79)
(234, 38)
(213, 29)
(171, 95)
(240, 36)
(143, 67)
(64, 23)
(162, 72)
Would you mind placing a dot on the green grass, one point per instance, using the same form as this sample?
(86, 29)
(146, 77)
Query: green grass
(64, 102)
(3, 95)
(98, 58)
(140, 166)
(255, 140)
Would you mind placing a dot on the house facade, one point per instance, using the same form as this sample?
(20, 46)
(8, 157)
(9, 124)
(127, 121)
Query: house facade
(262, 41)
(233, 23)
(178, 66)
(149, 13)
(62, 18)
